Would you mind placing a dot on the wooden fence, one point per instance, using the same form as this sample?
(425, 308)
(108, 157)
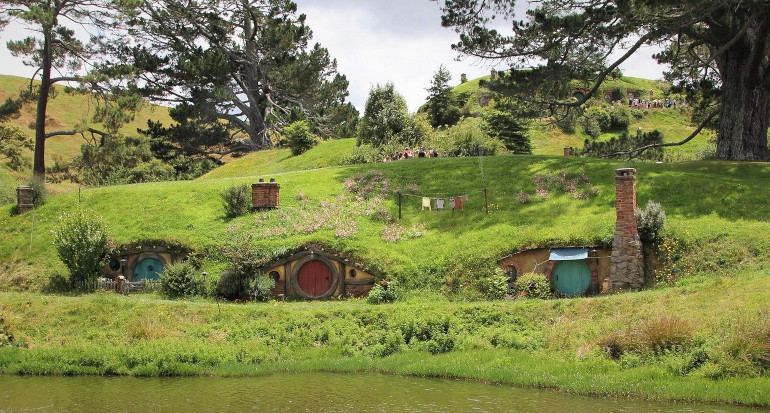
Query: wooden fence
(119, 286)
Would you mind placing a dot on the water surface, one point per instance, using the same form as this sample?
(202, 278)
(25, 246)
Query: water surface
(306, 392)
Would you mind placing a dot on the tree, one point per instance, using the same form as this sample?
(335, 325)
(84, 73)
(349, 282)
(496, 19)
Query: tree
(441, 106)
(57, 49)
(504, 122)
(298, 137)
(386, 119)
(718, 51)
(12, 141)
(238, 68)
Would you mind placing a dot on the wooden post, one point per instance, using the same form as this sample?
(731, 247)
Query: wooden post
(486, 201)
(399, 205)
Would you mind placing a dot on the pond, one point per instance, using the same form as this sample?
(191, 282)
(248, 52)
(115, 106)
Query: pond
(306, 392)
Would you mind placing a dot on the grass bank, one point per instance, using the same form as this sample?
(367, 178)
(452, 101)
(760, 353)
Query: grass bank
(722, 353)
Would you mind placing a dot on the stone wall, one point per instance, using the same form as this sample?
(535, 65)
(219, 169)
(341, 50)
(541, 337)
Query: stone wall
(626, 266)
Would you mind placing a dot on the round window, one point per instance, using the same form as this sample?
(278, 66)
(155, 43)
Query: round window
(352, 273)
(274, 275)
(114, 264)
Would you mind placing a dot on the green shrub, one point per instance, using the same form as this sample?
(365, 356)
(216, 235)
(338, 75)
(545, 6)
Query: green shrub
(494, 286)
(38, 191)
(650, 222)
(299, 138)
(181, 280)
(261, 287)
(362, 154)
(590, 127)
(81, 242)
(230, 286)
(384, 293)
(620, 118)
(236, 200)
(532, 285)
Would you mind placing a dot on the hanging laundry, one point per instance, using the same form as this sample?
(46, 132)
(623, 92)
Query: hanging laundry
(440, 204)
(458, 203)
(465, 198)
(452, 203)
(426, 203)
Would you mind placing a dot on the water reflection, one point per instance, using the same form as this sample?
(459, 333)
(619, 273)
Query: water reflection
(311, 392)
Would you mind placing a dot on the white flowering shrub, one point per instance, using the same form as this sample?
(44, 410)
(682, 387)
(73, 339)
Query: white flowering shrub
(81, 242)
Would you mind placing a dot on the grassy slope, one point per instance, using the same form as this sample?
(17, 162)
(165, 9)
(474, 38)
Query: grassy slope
(276, 161)
(66, 111)
(675, 124)
(705, 201)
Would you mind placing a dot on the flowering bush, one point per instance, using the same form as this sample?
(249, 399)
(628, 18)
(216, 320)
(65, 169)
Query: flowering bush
(81, 242)
(650, 222)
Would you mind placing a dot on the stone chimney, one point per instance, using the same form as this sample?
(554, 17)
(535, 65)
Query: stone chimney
(492, 74)
(24, 199)
(463, 78)
(265, 195)
(567, 151)
(626, 266)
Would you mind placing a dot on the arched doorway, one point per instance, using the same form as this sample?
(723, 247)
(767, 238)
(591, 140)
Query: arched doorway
(315, 278)
(571, 278)
(148, 269)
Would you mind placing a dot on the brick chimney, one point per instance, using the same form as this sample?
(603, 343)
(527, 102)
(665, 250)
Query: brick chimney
(265, 195)
(567, 151)
(626, 267)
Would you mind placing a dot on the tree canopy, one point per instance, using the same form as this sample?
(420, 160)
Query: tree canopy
(719, 52)
(241, 68)
(386, 119)
(58, 55)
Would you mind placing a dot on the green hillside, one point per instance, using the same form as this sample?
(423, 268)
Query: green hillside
(65, 111)
(716, 208)
(718, 248)
(548, 139)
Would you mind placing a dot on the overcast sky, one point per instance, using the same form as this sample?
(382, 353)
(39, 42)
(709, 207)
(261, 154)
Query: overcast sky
(376, 41)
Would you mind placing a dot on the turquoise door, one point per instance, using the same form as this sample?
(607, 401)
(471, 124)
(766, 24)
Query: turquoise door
(571, 278)
(148, 269)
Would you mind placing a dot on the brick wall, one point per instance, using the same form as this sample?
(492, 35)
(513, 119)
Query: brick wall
(265, 195)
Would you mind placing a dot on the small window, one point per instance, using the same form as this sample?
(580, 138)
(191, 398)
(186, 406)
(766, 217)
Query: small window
(274, 275)
(114, 264)
(352, 273)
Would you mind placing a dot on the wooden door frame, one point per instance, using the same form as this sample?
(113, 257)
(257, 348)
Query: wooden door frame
(304, 260)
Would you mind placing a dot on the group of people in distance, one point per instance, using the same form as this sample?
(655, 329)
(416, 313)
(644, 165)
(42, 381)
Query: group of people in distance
(408, 154)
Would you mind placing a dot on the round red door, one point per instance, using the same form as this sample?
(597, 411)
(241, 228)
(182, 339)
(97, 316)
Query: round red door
(315, 278)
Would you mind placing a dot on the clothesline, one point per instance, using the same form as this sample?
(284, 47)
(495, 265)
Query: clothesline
(445, 195)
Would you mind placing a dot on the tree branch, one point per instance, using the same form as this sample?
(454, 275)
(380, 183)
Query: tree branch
(633, 153)
(75, 132)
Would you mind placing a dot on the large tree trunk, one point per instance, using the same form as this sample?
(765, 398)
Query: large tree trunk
(38, 167)
(745, 115)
